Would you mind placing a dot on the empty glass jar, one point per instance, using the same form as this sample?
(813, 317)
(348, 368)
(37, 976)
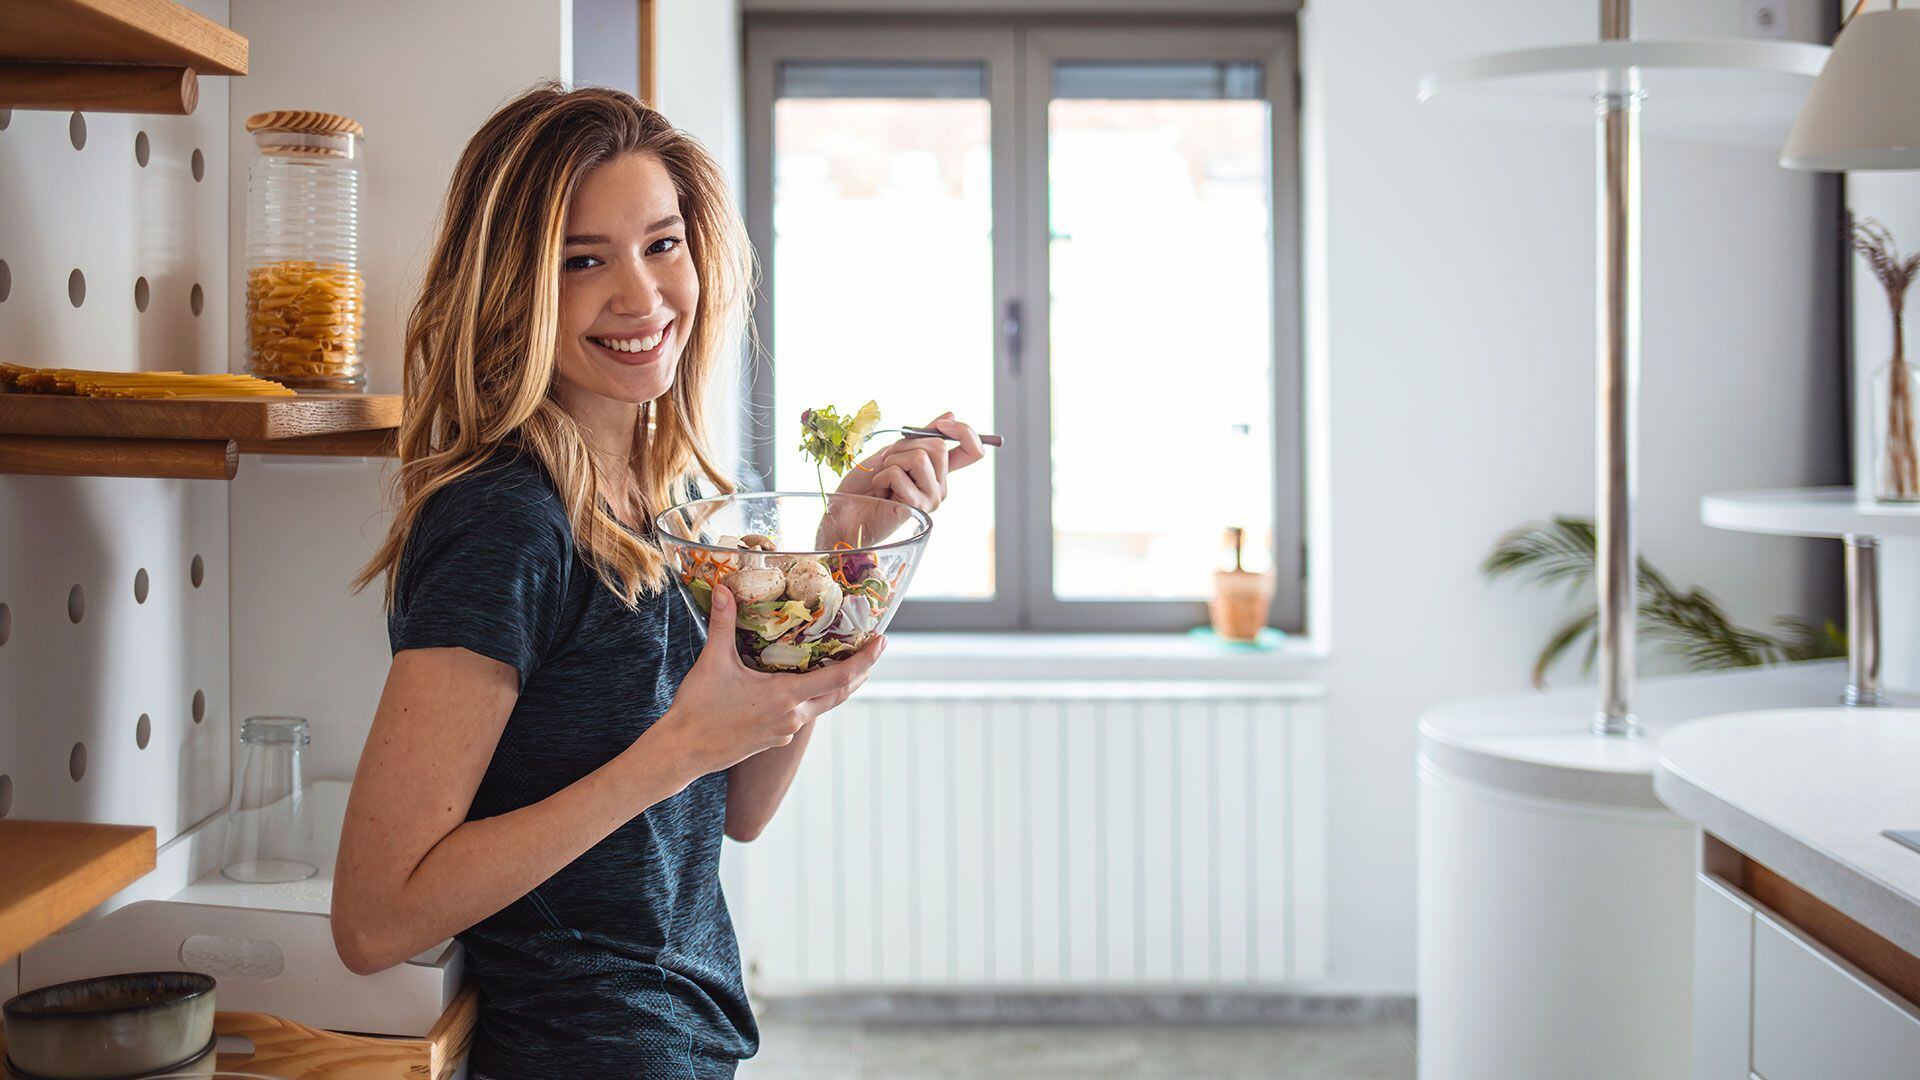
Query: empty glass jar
(269, 828)
(305, 296)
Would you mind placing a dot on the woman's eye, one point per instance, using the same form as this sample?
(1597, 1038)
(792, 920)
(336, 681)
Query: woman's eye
(664, 245)
(582, 262)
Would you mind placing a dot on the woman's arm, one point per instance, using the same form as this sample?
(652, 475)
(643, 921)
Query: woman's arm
(412, 870)
(756, 787)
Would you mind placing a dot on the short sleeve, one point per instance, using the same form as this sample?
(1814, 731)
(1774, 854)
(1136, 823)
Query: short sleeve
(485, 569)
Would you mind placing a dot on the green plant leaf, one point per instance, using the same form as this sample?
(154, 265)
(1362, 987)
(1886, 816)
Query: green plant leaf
(1687, 623)
(1563, 638)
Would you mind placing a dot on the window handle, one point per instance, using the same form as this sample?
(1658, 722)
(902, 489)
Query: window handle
(1012, 329)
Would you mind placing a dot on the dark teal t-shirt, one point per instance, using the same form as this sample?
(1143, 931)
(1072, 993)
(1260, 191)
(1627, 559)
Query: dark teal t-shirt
(624, 962)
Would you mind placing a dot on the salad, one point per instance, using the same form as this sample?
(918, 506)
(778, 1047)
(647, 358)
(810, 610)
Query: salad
(833, 440)
(793, 612)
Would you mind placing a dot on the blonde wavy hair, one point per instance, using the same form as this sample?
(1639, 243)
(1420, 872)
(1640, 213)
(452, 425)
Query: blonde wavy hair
(482, 339)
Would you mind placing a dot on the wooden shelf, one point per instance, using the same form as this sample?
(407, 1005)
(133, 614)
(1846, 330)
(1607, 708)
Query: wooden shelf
(140, 56)
(147, 32)
(58, 870)
(188, 438)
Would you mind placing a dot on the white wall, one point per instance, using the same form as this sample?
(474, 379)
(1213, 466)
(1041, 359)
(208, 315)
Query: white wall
(1450, 280)
(699, 80)
(606, 35)
(699, 88)
(303, 527)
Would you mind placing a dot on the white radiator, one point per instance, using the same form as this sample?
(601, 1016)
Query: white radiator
(1035, 835)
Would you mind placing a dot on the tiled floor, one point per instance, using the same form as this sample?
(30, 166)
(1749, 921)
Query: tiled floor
(812, 1048)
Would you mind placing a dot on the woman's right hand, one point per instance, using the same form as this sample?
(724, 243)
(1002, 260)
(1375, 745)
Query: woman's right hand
(725, 712)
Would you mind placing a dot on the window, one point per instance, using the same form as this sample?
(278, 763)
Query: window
(1081, 238)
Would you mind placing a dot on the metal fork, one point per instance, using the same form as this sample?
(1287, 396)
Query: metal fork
(929, 433)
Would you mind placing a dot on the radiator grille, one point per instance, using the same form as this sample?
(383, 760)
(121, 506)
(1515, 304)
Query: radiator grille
(1046, 834)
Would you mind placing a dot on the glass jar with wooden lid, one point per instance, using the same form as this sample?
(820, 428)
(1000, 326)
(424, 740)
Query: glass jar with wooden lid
(305, 297)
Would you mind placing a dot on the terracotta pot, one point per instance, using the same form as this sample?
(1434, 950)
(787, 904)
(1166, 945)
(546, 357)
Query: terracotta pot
(1240, 602)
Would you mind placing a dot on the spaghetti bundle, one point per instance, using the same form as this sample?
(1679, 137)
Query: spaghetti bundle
(75, 382)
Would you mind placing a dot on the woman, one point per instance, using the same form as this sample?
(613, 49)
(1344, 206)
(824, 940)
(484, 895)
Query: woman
(556, 755)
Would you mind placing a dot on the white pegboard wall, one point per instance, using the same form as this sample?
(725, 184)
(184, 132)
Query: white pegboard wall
(137, 211)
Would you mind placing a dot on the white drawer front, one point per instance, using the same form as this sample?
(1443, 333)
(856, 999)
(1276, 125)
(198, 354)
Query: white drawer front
(1816, 1017)
(1722, 980)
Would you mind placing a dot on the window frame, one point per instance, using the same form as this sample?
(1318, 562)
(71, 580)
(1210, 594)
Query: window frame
(1018, 54)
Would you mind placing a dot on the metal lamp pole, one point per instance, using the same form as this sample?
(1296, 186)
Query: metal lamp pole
(1617, 110)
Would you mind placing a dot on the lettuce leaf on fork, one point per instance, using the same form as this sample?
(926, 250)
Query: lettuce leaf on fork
(833, 440)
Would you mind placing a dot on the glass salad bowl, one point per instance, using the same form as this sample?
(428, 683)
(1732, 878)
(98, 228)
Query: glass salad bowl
(814, 576)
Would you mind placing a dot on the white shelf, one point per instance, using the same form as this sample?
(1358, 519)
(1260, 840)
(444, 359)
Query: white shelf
(1730, 90)
(1823, 511)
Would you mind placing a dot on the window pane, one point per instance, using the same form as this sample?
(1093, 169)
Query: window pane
(859, 314)
(879, 79)
(1169, 81)
(1161, 350)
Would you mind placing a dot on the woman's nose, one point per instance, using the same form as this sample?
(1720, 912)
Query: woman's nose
(638, 294)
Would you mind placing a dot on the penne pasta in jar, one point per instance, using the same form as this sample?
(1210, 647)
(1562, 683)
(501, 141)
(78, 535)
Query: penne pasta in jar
(305, 298)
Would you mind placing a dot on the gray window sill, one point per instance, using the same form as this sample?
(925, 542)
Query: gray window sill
(932, 657)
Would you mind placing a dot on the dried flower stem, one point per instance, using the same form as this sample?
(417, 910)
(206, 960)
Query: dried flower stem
(1896, 274)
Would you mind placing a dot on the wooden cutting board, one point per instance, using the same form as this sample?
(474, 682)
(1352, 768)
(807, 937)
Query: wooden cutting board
(296, 1052)
(293, 1051)
(240, 418)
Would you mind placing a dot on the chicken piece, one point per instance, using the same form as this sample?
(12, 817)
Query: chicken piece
(752, 584)
(807, 580)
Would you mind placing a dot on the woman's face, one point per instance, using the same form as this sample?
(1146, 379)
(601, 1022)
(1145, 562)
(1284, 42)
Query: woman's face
(627, 282)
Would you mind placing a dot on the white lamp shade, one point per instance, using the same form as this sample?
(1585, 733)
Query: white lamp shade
(1864, 110)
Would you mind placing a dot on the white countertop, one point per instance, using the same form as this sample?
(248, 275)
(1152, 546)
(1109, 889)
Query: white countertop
(1539, 743)
(1806, 792)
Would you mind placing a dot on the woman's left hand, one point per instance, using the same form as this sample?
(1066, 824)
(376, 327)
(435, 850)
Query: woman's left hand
(914, 471)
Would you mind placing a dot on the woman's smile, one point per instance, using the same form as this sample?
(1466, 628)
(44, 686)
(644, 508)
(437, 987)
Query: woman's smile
(636, 347)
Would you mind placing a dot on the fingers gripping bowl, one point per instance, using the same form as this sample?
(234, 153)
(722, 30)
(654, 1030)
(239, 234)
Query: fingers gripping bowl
(814, 577)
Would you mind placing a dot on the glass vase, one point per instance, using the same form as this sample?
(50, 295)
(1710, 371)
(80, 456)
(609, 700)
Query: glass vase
(1896, 448)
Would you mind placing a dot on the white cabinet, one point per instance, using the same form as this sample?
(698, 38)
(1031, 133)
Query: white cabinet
(1817, 1017)
(1772, 1004)
(1722, 981)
